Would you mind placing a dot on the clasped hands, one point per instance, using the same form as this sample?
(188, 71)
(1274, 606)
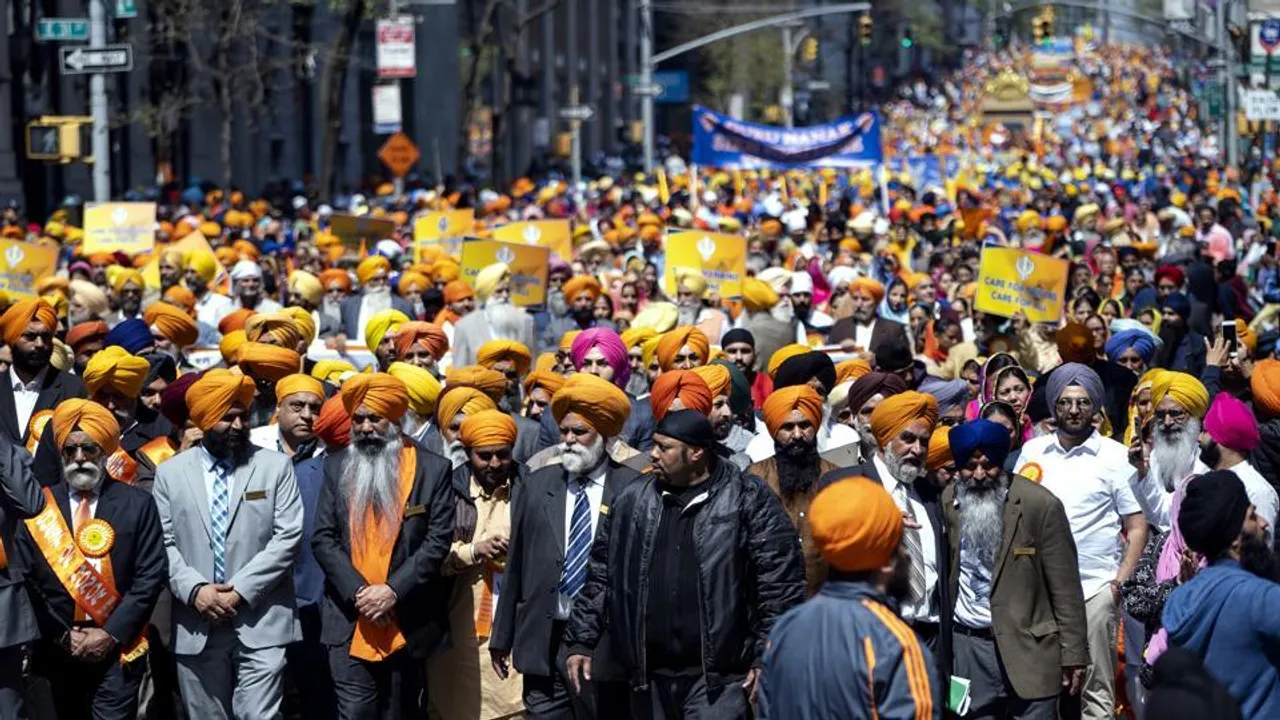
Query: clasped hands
(377, 603)
(217, 601)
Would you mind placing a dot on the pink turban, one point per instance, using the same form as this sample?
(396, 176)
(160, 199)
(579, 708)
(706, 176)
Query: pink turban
(610, 344)
(1231, 424)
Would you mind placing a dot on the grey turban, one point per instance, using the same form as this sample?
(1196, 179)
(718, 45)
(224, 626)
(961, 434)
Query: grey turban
(1075, 374)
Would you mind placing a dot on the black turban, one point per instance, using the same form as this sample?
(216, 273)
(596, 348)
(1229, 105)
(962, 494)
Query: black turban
(892, 357)
(799, 370)
(689, 427)
(739, 389)
(738, 335)
(872, 384)
(1212, 513)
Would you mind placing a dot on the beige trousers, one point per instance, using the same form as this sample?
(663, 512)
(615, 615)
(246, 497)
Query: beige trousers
(1098, 697)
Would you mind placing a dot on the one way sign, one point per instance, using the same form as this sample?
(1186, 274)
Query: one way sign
(82, 60)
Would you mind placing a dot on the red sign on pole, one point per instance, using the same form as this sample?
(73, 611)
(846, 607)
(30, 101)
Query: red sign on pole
(395, 53)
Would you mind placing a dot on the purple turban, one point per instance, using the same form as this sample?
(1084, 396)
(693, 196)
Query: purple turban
(615, 352)
(1231, 424)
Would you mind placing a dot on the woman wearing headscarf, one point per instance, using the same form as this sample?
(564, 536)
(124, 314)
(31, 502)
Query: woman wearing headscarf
(986, 382)
(1133, 348)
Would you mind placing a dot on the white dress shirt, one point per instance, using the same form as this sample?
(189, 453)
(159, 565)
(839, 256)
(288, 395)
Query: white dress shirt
(1094, 481)
(1263, 496)
(1156, 502)
(595, 497)
(926, 610)
(862, 334)
(25, 396)
(211, 308)
(207, 461)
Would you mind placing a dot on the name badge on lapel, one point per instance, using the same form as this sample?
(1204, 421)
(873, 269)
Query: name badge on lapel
(414, 510)
(255, 495)
(1028, 551)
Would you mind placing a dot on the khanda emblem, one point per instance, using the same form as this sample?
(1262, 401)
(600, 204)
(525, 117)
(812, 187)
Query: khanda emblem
(119, 216)
(443, 225)
(531, 233)
(706, 248)
(505, 255)
(1024, 267)
(14, 256)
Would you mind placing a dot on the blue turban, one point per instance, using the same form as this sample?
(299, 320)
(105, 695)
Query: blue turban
(133, 335)
(949, 393)
(1142, 341)
(1075, 374)
(1178, 303)
(989, 438)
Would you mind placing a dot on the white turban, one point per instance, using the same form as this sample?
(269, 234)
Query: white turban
(801, 282)
(246, 269)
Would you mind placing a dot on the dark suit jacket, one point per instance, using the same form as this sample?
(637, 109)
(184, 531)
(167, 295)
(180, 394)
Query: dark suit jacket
(1037, 606)
(419, 550)
(351, 315)
(926, 494)
(138, 563)
(20, 498)
(523, 620)
(58, 386)
(883, 332)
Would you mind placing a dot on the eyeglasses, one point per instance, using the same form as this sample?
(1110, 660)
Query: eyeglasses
(1175, 416)
(1082, 403)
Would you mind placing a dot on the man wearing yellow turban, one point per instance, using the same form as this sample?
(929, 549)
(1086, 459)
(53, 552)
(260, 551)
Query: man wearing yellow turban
(105, 520)
(114, 379)
(127, 287)
(1179, 403)
(683, 348)
(200, 270)
(758, 296)
(169, 267)
(379, 334)
(305, 290)
(423, 389)
(28, 327)
(452, 407)
(298, 399)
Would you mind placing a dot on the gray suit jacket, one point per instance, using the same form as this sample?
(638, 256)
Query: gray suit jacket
(263, 537)
(473, 331)
(20, 498)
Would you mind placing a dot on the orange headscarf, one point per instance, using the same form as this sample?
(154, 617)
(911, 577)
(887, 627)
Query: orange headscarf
(939, 455)
(851, 370)
(335, 276)
(333, 425)
(783, 354)
(671, 342)
(488, 428)
(597, 400)
(780, 404)
(867, 286)
(717, 378)
(234, 320)
(298, 383)
(575, 286)
(429, 335)
(489, 382)
(496, 351)
(855, 524)
(181, 297)
(384, 394)
(94, 420)
(896, 412)
(173, 323)
(211, 397)
(268, 362)
(370, 267)
(1265, 385)
(683, 385)
(15, 320)
(230, 345)
(545, 379)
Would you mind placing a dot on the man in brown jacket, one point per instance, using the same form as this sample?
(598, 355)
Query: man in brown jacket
(1018, 613)
(792, 416)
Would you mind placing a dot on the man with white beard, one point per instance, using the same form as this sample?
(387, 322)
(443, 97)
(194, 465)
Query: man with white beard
(384, 522)
(535, 604)
(92, 648)
(866, 393)
(1001, 603)
(1179, 403)
(246, 281)
(375, 296)
(497, 319)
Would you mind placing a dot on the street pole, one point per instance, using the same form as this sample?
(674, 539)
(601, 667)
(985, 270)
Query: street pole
(98, 108)
(646, 80)
(1230, 149)
(393, 8)
(575, 142)
(787, 97)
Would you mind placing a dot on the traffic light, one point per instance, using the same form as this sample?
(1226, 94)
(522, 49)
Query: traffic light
(59, 138)
(809, 49)
(908, 40)
(865, 28)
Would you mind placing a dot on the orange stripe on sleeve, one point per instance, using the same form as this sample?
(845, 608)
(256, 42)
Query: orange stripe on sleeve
(917, 674)
(870, 651)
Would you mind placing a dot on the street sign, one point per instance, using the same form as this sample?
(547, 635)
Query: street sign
(395, 55)
(62, 29)
(1269, 35)
(387, 116)
(126, 9)
(653, 89)
(1261, 105)
(399, 154)
(105, 59)
(581, 113)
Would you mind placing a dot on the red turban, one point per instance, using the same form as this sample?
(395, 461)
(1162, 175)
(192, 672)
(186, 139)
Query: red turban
(1170, 273)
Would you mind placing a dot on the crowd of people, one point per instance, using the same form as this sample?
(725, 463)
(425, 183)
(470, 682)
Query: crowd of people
(844, 492)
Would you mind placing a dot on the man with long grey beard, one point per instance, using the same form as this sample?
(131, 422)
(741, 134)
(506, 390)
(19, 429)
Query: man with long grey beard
(384, 521)
(865, 394)
(536, 603)
(1179, 403)
(1014, 583)
(497, 319)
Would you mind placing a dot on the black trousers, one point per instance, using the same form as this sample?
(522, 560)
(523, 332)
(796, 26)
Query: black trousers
(552, 698)
(308, 682)
(11, 685)
(104, 690)
(684, 695)
(389, 690)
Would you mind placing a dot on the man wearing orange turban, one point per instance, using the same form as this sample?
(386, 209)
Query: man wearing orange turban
(793, 416)
(299, 398)
(679, 390)
(268, 363)
(454, 405)
(864, 329)
(683, 348)
(114, 379)
(539, 386)
(489, 382)
(172, 328)
(459, 300)
(373, 269)
(106, 520)
(234, 320)
(280, 328)
(420, 343)
(595, 403)
(508, 357)
(85, 340)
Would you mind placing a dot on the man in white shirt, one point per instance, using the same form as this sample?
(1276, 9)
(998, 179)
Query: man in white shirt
(1092, 477)
(1230, 435)
(298, 400)
(199, 273)
(1179, 403)
(246, 280)
(32, 384)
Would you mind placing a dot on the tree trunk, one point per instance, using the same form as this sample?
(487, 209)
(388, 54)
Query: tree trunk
(331, 88)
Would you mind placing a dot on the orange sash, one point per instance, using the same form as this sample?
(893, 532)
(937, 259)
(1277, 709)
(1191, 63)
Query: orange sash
(157, 450)
(35, 428)
(122, 467)
(94, 592)
(488, 599)
(371, 557)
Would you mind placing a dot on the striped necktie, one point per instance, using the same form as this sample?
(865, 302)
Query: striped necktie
(220, 517)
(914, 547)
(578, 547)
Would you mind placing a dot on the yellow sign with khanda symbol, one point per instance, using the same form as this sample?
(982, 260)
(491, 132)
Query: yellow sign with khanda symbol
(719, 258)
(23, 264)
(127, 227)
(446, 229)
(554, 235)
(528, 265)
(1012, 280)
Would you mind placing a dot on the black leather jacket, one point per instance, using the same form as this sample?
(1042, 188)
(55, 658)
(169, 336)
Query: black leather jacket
(750, 572)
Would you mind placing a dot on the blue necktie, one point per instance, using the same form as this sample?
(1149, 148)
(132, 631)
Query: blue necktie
(219, 518)
(578, 547)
